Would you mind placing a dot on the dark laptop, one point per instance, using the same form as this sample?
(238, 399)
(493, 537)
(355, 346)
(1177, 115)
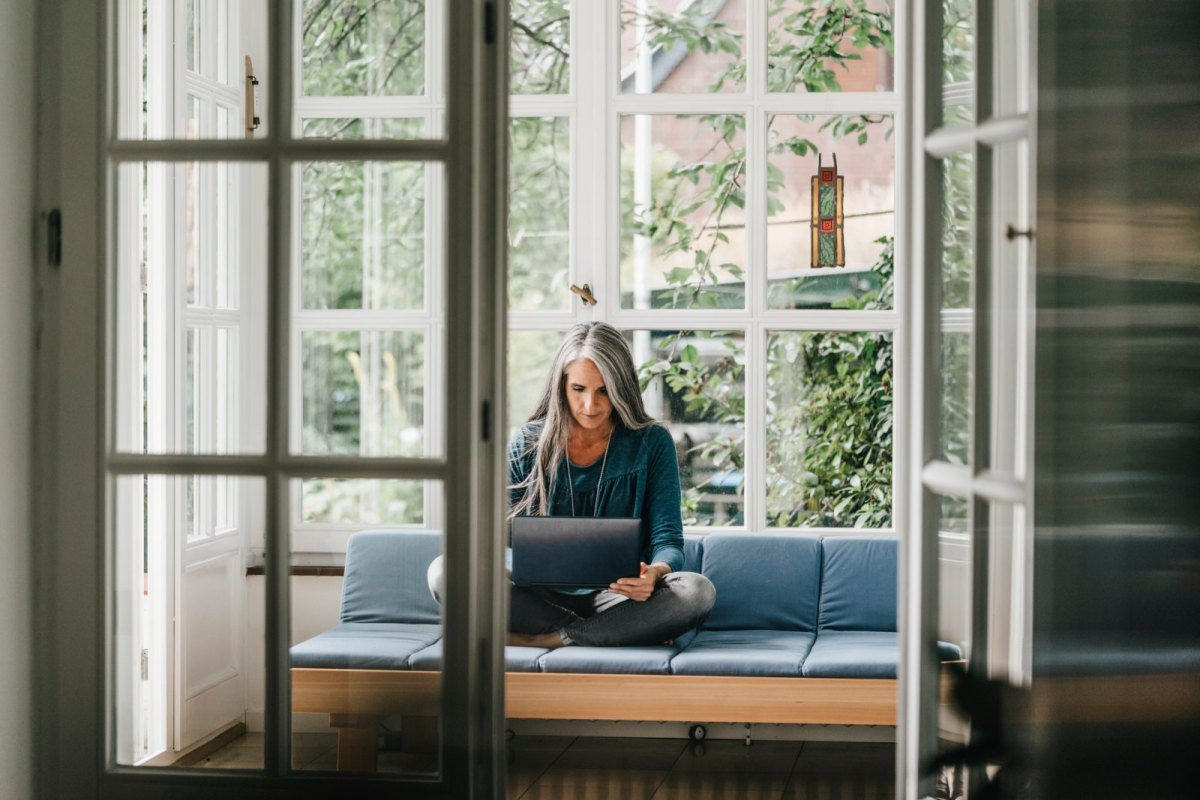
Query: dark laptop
(570, 552)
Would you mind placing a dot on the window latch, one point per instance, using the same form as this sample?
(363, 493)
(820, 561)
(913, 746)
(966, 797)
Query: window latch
(585, 294)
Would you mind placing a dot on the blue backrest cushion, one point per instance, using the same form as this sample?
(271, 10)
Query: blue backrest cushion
(385, 576)
(763, 581)
(858, 586)
(693, 551)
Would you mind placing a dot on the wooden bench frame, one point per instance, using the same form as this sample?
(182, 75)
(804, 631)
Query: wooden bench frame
(358, 699)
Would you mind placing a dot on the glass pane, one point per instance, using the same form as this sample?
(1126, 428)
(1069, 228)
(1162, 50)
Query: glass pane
(339, 501)
(539, 213)
(829, 47)
(694, 382)
(829, 429)
(188, 620)
(955, 598)
(193, 85)
(541, 47)
(958, 61)
(835, 254)
(955, 376)
(190, 325)
(364, 393)
(683, 46)
(958, 230)
(530, 355)
(364, 128)
(366, 651)
(683, 219)
(363, 235)
(1010, 287)
(363, 47)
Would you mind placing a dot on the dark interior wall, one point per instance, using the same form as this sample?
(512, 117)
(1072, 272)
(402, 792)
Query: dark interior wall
(1117, 554)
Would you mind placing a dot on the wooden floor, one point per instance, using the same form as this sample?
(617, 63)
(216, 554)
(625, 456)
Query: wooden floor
(560, 768)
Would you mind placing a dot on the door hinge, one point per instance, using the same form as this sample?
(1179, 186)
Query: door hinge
(489, 23)
(485, 421)
(54, 237)
(145, 664)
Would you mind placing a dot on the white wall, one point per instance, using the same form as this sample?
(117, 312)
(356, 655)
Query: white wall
(17, 154)
(316, 602)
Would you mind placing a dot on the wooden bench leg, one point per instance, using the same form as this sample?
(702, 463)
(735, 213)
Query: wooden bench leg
(358, 736)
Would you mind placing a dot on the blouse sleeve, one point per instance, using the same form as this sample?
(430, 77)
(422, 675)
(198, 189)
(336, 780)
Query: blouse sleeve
(663, 499)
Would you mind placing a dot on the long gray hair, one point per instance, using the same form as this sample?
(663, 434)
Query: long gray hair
(608, 350)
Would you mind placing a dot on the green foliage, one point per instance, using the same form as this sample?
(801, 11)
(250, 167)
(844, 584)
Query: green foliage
(363, 47)
(810, 41)
(539, 203)
(958, 41)
(695, 31)
(704, 385)
(958, 247)
(540, 59)
(829, 421)
(829, 431)
(711, 187)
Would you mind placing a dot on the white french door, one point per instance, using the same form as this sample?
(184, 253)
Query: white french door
(177, 451)
(965, 574)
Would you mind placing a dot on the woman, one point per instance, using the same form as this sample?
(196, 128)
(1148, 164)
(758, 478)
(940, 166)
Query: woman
(590, 449)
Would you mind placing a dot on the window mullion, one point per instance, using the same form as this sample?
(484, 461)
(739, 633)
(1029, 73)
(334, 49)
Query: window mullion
(754, 492)
(592, 255)
(281, 400)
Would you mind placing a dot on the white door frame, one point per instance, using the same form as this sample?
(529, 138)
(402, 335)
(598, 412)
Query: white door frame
(75, 511)
(999, 474)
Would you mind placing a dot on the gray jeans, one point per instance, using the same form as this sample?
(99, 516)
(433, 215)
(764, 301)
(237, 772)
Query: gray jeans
(680, 602)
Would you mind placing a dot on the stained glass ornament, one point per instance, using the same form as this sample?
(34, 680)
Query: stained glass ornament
(827, 219)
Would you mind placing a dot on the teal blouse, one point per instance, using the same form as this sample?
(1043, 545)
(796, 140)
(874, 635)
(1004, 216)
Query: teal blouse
(641, 479)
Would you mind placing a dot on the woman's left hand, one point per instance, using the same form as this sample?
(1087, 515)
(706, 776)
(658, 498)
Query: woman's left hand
(641, 587)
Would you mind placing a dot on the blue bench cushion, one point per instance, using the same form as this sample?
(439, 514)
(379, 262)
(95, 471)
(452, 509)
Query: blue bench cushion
(853, 654)
(861, 654)
(763, 581)
(748, 653)
(858, 583)
(654, 660)
(516, 659)
(365, 645)
(693, 552)
(385, 577)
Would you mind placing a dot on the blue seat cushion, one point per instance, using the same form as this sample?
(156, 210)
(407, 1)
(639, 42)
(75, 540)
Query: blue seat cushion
(654, 660)
(763, 581)
(861, 654)
(365, 645)
(858, 583)
(853, 654)
(516, 659)
(385, 577)
(747, 653)
(693, 552)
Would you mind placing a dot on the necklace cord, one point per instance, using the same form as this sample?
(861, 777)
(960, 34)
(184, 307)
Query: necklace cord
(571, 481)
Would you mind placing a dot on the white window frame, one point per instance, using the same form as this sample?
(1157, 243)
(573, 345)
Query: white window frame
(429, 320)
(595, 105)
